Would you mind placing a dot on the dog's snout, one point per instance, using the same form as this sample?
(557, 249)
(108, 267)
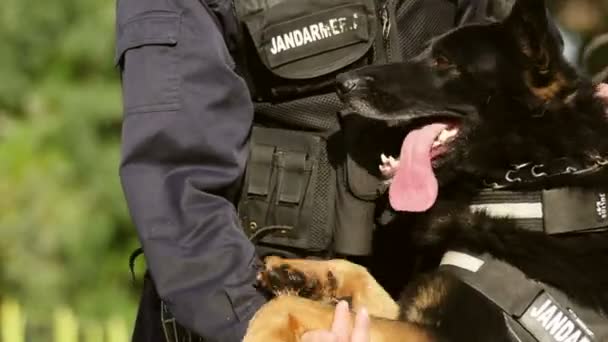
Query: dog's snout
(346, 83)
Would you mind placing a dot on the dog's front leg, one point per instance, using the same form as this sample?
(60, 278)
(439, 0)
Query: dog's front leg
(328, 281)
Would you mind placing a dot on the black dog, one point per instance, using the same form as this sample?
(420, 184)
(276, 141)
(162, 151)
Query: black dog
(495, 119)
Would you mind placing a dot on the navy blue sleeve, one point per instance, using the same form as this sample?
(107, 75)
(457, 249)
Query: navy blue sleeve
(187, 120)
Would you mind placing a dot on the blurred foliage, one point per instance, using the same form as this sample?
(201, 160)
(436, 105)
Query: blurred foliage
(65, 233)
(586, 17)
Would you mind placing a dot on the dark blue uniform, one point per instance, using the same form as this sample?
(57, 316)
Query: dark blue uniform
(185, 133)
(187, 119)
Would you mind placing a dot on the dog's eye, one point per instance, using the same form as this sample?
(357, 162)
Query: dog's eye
(441, 62)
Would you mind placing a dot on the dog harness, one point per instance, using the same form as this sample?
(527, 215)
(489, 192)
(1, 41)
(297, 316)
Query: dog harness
(533, 311)
(552, 211)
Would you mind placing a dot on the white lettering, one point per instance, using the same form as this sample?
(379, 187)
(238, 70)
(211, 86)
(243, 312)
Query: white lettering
(535, 312)
(307, 37)
(546, 316)
(574, 337)
(280, 44)
(314, 31)
(273, 48)
(601, 207)
(342, 23)
(334, 28)
(564, 331)
(556, 322)
(298, 38)
(289, 41)
(325, 32)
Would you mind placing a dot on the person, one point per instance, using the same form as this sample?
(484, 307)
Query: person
(186, 138)
(340, 330)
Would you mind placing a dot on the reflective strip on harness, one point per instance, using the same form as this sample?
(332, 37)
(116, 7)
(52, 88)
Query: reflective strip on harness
(462, 260)
(514, 210)
(553, 211)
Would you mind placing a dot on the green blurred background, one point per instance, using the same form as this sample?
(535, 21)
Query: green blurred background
(65, 233)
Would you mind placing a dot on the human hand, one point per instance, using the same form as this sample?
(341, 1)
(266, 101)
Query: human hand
(340, 329)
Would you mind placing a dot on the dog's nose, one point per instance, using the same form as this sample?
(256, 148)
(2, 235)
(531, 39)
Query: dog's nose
(346, 83)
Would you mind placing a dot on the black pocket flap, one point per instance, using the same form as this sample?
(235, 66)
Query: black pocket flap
(361, 183)
(260, 169)
(295, 177)
(298, 39)
(148, 28)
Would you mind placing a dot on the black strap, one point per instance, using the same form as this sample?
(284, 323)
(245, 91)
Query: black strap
(567, 210)
(531, 312)
(491, 280)
(137, 252)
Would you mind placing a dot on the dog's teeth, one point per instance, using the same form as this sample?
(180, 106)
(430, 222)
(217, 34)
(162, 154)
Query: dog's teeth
(393, 162)
(383, 158)
(445, 135)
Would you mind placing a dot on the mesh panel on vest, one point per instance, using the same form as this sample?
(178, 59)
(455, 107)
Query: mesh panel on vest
(420, 20)
(323, 206)
(417, 21)
(317, 113)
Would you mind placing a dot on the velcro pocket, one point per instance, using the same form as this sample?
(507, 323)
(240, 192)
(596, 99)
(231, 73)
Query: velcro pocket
(298, 39)
(290, 185)
(146, 51)
(147, 28)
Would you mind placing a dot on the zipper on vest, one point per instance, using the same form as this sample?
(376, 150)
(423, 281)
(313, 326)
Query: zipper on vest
(385, 20)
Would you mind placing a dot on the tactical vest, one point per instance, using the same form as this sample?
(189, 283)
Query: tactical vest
(308, 184)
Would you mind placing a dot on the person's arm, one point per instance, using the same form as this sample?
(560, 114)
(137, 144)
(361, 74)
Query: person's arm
(185, 134)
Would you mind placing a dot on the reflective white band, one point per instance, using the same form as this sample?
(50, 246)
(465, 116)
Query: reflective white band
(513, 210)
(462, 260)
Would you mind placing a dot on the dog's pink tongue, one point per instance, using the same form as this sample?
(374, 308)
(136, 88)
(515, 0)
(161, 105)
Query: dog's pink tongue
(414, 186)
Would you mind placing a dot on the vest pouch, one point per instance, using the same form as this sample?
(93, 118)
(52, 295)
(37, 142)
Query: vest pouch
(298, 46)
(289, 191)
(360, 182)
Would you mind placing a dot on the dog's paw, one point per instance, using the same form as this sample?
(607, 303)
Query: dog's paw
(283, 278)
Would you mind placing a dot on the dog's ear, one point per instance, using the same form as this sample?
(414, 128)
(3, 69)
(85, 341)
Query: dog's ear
(537, 38)
(539, 46)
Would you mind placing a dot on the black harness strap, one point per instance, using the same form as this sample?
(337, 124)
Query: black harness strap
(533, 311)
(553, 211)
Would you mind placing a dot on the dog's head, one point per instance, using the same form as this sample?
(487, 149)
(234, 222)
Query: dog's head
(480, 99)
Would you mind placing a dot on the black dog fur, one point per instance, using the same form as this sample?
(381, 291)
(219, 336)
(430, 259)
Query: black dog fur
(516, 100)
